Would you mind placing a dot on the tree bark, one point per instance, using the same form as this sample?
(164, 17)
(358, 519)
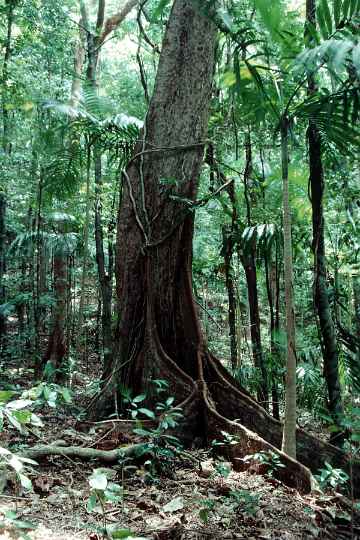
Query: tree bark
(321, 294)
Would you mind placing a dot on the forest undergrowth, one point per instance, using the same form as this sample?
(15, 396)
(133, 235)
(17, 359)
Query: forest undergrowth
(181, 494)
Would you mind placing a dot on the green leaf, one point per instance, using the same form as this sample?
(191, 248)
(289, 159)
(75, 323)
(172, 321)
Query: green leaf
(174, 505)
(147, 412)
(65, 392)
(225, 18)
(98, 481)
(204, 515)
(228, 79)
(142, 432)
(160, 8)
(356, 58)
(322, 23)
(311, 34)
(346, 6)
(327, 15)
(19, 404)
(271, 15)
(353, 7)
(139, 399)
(23, 417)
(36, 421)
(5, 395)
(122, 533)
(337, 11)
(91, 503)
(16, 463)
(25, 481)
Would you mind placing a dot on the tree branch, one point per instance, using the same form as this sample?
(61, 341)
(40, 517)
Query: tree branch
(113, 22)
(100, 17)
(108, 456)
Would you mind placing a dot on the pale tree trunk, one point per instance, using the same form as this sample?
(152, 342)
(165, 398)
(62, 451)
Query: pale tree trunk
(273, 300)
(81, 333)
(289, 433)
(79, 59)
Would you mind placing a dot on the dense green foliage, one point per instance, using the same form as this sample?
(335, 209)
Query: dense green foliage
(264, 60)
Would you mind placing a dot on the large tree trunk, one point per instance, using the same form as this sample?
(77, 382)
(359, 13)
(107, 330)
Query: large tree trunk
(321, 295)
(158, 332)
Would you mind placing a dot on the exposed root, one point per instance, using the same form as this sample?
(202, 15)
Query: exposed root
(212, 402)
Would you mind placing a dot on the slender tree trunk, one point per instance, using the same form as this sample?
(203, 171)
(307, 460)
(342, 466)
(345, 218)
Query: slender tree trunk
(258, 356)
(10, 8)
(80, 337)
(321, 294)
(56, 349)
(79, 59)
(289, 433)
(248, 259)
(37, 289)
(271, 289)
(356, 291)
(105, 274)
(2, 267)
(227, 251)
(6, 146)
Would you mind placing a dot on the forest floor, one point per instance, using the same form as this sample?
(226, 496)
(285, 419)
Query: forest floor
(197, 497)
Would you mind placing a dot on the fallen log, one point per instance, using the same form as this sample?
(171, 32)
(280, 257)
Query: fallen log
(107, 456)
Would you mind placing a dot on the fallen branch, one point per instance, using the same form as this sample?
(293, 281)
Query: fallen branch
(108, 456)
